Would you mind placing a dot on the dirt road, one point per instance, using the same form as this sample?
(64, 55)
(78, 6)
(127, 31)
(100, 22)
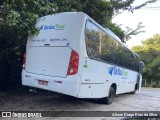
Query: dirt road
(145, 100)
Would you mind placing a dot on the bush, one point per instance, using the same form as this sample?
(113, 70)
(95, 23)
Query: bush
(11, 51)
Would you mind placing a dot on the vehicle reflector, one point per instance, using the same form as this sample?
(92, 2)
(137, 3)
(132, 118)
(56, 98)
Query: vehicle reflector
(73, 63)
(24, 60)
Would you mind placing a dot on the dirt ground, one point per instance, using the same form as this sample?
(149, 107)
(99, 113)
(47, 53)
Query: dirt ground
(145, 100)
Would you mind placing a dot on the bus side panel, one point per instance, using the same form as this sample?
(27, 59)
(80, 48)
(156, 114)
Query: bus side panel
(96, 77)
(130, 81)
(94, 90)
(95, 80)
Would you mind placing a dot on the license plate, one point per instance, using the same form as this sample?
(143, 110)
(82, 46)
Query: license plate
(42, 82)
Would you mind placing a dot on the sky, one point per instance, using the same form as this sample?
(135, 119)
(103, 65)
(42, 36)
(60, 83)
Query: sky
(148, 15)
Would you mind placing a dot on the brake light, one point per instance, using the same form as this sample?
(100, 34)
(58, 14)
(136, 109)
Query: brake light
(24, 60)
(73, 63)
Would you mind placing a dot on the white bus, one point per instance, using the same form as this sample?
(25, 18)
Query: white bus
(74, 55)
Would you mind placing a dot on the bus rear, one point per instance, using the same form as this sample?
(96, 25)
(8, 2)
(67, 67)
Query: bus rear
(52, 57)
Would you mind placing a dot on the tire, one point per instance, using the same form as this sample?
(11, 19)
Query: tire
(134, 92)
(108, 100)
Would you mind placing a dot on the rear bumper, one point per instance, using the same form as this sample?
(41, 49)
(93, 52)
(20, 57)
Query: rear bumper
(69, 85)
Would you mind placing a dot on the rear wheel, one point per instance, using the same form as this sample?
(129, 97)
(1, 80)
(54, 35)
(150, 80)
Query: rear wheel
(108, 100)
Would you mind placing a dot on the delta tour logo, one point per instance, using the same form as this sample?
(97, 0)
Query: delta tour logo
(51, 27)
(117, 71)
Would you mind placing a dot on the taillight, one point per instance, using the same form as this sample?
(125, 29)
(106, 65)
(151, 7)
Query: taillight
(24, 60)
(73, 63)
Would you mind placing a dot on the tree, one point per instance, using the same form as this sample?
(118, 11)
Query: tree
(149, 52)
(17, 20)
(22, 14)
(130, 32)
(140, 6)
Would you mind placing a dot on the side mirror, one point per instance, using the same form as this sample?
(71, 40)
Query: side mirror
(141, 64)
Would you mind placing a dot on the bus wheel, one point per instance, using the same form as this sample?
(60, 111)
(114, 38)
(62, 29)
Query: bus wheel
(108, 100)
(134, 92)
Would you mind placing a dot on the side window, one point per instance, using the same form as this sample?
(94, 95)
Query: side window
(128, 57)
(114, 51)
(120, 55)
(101, 46)
(137, 66)
(92, 40)
(108, 48)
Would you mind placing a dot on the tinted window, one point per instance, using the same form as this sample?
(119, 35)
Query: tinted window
(109, 47)
(103, 47)
(92, 40)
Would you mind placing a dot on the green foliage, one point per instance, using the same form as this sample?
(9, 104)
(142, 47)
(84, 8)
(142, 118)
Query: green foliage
(22, 14)
(17, 20)
(149, 52)
(11, 49)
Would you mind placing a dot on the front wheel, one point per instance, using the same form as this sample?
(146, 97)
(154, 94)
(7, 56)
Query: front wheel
(108, 100)
(134, 92)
